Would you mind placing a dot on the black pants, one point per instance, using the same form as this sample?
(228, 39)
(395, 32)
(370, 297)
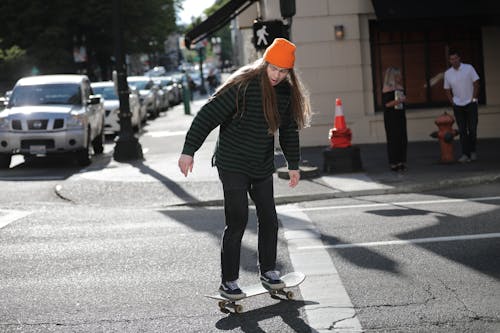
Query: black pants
(236, 186)
(396, 134)
(467, 120)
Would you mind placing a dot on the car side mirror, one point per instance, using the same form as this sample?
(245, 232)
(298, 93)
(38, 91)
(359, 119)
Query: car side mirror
(94, 99)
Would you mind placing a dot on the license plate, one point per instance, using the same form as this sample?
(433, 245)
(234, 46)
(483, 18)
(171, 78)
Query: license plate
(38, 150)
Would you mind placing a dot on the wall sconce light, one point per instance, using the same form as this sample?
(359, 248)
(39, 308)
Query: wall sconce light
(339, 32)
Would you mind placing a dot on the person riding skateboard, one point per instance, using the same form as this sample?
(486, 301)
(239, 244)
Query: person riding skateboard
(253, 104)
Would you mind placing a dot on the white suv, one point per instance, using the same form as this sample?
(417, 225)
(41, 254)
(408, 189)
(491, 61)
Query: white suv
(51, 114)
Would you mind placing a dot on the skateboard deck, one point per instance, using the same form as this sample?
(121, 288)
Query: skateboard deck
(292, 279)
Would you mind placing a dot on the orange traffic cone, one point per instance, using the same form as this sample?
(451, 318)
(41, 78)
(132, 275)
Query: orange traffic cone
(340, 135)
(339, 123)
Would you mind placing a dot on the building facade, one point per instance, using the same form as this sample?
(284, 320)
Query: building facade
(344, 47)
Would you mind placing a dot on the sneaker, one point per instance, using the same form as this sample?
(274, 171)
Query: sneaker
(473, 156)
(230, 290)
(271, 280)
(464, 159)
(402, 167)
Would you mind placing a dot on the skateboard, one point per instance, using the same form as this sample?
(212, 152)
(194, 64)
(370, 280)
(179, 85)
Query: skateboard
(292, 279)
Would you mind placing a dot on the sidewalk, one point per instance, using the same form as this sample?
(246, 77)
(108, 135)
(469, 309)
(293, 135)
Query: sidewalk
(159, 182)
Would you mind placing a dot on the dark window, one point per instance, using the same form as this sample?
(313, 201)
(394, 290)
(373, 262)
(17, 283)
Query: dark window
(420, 50)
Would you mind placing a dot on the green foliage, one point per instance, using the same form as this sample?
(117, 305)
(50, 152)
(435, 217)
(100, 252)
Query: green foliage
(48, 30)
(12, 53)
(13, 63)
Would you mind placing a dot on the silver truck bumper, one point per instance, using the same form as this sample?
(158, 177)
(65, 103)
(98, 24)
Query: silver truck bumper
(42, 143)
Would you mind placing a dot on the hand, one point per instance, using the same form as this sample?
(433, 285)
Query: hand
(186, 164)
(294, 177)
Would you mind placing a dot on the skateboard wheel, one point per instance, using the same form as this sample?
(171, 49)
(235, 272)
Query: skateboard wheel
(289, 294)
(238, 309)
(222, 307)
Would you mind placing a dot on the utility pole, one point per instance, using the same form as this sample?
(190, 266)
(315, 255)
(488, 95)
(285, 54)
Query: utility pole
(127, 145)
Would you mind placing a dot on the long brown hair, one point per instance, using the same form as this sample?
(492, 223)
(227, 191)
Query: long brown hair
(300, 105)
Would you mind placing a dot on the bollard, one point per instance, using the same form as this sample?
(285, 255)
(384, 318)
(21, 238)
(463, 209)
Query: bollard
(186, 98)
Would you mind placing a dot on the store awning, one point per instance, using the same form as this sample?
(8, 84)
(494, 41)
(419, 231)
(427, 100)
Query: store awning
(216, 21)
(417, 9)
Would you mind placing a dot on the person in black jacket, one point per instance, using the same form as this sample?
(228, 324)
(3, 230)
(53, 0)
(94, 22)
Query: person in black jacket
(254, 103)
(393, 99)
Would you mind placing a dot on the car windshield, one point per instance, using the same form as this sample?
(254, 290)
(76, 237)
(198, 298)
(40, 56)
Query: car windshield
(166, 82)
(142, 84)
(46, 94)
(106, 92)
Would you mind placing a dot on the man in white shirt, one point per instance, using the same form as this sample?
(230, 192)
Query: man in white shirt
(461, 84)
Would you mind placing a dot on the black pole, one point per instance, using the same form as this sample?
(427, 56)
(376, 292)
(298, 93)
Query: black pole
(127, 146)
(203, 90)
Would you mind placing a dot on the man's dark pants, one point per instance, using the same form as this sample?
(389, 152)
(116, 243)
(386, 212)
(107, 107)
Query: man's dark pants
(467, 119)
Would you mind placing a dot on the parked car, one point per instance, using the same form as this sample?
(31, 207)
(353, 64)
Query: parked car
(148, 94)
(172, 88)
(112, 107)
(162, 95)
(3, 103)
(52, 114)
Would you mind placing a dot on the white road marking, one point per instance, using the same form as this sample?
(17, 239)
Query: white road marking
(161, 134)
(386, 204)
(403, 241)
(9, 216)
(328, 301)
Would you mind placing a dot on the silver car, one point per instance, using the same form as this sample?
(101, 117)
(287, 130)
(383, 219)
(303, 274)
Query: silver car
(51, 114)
(112, 107)
(172, 88)
(148, 93)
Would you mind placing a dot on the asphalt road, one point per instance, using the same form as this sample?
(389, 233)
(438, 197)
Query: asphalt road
(416, 262)
(120, 261)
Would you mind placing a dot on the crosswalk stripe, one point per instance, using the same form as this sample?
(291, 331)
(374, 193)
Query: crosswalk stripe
(403, 241)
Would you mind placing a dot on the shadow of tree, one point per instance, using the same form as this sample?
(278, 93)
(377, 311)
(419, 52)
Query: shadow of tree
(61, 166)
(482, 255)
(398, 212)
(362, 256)
(169, 183)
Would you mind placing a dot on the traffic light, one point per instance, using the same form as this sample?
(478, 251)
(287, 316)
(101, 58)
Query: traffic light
(264, 33)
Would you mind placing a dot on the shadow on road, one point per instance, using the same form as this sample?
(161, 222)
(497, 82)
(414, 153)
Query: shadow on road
(249, 321)
(49, 167)
(483, 256)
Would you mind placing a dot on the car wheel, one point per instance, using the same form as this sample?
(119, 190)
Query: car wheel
(5, 160)
(137, 127)
(98, 143)
(83, 155)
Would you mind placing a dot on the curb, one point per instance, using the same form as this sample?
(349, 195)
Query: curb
(407, 188)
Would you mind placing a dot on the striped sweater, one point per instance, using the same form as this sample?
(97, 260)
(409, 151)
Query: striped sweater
(244, 144)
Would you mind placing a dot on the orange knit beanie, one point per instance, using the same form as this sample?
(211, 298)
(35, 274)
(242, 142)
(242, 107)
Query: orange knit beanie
(280, 53)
